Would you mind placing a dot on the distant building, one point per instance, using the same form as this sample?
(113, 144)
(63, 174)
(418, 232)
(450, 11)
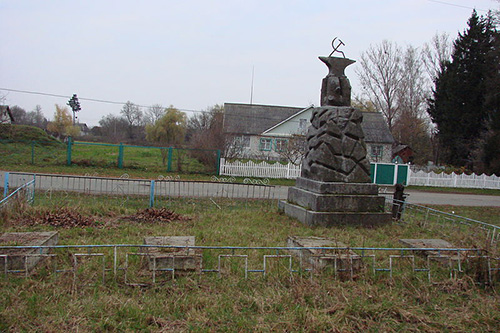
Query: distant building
(402, 154)
(5, 115)
(84, 129)
(263, 131)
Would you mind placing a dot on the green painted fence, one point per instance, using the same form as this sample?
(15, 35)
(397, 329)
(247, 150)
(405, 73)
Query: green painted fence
(166, 159)
(389, 174)
(106, 155)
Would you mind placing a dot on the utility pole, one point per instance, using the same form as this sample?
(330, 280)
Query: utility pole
(251, 89)
(75, 106)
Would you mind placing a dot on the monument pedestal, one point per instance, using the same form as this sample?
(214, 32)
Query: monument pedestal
(327, 204)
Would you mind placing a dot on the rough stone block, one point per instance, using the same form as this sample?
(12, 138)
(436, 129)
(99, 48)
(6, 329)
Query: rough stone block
(181, 259)
(16, 257)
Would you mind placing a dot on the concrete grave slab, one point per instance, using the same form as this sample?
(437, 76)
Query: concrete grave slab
(17, 258)
(318, 259)
(181, 259)
(442, 256)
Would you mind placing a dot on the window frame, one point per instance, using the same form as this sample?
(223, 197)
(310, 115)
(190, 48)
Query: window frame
(265, 144)
(280, 145)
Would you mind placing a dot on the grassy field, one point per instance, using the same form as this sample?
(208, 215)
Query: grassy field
(27, 148)
(408, 302)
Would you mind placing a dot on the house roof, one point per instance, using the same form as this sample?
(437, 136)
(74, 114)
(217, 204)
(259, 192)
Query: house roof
(375, 128)
(252, 119)
(287, 119)
(4, 109)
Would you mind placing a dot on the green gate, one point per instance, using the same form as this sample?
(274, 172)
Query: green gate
(388, 173)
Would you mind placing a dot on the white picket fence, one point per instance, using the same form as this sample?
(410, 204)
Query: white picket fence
(422, 178)
(261, 169)
(419, 178)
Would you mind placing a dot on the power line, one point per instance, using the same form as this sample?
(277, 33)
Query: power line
(456, 5)
(123, 103)
(84, 98)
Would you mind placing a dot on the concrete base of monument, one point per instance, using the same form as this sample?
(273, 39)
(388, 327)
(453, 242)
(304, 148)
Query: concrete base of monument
(327, 204)
(339, 203)
(332, 219)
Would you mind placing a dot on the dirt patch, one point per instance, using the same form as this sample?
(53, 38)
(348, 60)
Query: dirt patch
(154, 215)
(62, 218)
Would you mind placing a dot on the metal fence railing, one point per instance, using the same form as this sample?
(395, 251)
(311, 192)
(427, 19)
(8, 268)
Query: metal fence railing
(25, 192)
(153, 191)
(427, 215)
(133, 264)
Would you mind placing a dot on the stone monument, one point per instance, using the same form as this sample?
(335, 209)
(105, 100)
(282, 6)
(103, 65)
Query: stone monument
(335, 186)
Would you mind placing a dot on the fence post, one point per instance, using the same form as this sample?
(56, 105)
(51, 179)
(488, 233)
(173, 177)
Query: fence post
(396, 171)
(6, 185)
(218, 162)
(152, 194)
(68, 154)
(120, 156)
(32, 151)
(34, 188)
(169, 162)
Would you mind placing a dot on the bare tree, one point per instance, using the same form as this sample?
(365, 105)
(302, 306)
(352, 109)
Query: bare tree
(380, 76)
(295, 150)
(19, 115)
(436, 54)
(36, 118)
(133, 114)
(154, 113)
(113, 128)
(394, 82)
(205, 133)
(363, 104)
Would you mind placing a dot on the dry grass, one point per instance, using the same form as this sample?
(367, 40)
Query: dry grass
(193, 302)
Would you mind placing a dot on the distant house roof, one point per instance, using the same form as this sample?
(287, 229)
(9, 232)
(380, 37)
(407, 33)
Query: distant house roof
(287, 119)
(375, 128)
(5, 114)
(253, 119)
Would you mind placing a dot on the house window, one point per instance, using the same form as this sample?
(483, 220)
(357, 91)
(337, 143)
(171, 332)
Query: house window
(265, 144)
(377, 152)
(280, 145)
(241, 141)
(302, 125)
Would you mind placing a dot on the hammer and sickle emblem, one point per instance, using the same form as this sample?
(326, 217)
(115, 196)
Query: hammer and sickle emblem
(336, 48)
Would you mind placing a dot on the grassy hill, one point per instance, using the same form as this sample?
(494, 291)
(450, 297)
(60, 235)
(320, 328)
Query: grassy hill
(24, 133)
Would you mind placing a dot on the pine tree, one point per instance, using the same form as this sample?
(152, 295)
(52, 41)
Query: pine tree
(458, 105)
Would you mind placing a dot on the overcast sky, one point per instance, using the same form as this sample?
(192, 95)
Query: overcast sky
(197, 53)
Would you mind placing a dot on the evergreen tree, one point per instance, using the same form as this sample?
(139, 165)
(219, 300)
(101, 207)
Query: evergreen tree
(458, 105)
(491, 151)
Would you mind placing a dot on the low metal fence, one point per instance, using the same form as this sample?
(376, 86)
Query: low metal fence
(154, 191)
(132, 264)
(25, 192)
(424, 216)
